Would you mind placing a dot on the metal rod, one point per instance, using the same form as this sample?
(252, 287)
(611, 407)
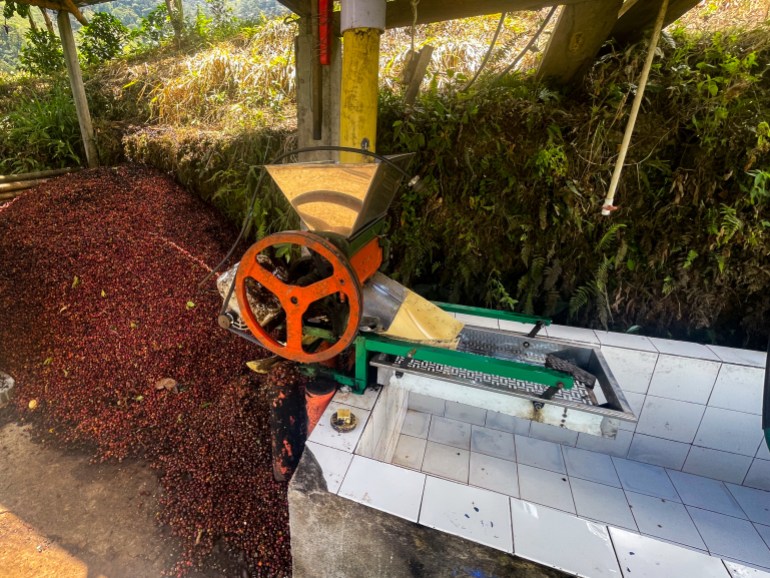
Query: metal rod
(608, 207)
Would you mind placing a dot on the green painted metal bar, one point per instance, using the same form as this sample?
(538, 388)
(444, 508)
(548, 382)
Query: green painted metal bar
(465, 360)
(492, 313)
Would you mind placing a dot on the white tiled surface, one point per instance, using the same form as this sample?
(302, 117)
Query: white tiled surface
(728, 536)
(684, 379)
(643, 557)
(577, 334)
(602, 503)
(546, 488)
(664, 519)
(670, 419)
(334, 464)
(591, 466)
(738, 388)
(450, 432)
(551, 433)
(465, 413)
(384, 487)
(645, 479)
(365, 400)
(658, 451)
(705, 493)
(562, 541)
(716, 464)
(683, 349)
(492, 442)
(410, 452)
(711, 519)
(632, 369)
(741, 571)
(540, 454)
(324, 434)
(625, 340)
(468, 512)
(730, 431)
(446, 461)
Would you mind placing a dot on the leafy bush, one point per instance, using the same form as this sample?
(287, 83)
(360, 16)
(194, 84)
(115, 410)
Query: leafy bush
(155, 28)
(42, 53)
(103, 38)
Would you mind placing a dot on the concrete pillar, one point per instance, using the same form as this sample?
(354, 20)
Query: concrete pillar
(78, 90)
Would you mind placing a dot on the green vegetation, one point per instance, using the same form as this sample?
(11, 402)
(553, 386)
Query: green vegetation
(515, 172)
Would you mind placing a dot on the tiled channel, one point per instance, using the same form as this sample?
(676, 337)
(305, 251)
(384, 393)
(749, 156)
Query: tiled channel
(521, 487)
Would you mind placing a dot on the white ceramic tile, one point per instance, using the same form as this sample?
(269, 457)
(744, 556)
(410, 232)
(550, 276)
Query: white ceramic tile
(740, 571)
(409, 452)
(625, 341)
(591, 466)
(494, 474)
(577, 334)
(705, 493)
(562, 541)
(602, 503)
(658, 451)
(324, 434)
(416, 424)
(759, 475)
(644, 557)
(450, 432)
(764, 532)
(740, 356)
(446, 461)
(738, 388)
(617, 446)
(636, 401)
(492, 443)
(471, 513)
(365, 400)
(426, 404)
(669, 419)
(508, 423)
(718, 465)
(664, 519)
(525, 328)
(466, 413)
(547, 488)
(334, 464)
(478, 321)
(683, 349)
(384, 487)
(551, 433)
(730, 431)
(756, 503)
(731, 537)
(684, 379)
(632, 369)
(540, 454)
(645, 479)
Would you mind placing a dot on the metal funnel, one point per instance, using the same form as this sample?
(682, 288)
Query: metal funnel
(340, 198)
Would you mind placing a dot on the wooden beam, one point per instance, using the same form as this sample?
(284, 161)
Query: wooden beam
(579, 33)
(301, 7)
(78, 90)
(638, 15)
(399, 12)
(57, 6)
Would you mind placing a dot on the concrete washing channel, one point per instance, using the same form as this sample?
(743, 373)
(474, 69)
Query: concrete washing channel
(430, 487)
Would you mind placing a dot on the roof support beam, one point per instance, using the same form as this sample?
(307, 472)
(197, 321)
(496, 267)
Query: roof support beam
(78, 90)
(399, 12)
(579, 33)
(638, 15)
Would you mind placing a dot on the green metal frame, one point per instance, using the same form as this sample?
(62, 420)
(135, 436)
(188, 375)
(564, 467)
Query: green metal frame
(368, 345)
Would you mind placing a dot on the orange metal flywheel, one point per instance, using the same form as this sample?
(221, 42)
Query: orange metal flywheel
(296, 299)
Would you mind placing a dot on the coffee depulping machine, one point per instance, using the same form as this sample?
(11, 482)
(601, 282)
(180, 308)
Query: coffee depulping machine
(330, 308)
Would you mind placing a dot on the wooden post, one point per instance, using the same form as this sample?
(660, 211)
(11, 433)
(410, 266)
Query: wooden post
(78, 90)
(305, 53)
(579, 33)
(636, 17)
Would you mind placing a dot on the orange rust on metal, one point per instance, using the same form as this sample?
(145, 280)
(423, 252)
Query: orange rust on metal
(368, 260)
(295, 300)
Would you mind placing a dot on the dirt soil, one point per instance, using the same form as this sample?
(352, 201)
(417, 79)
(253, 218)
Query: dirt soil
(62, 516)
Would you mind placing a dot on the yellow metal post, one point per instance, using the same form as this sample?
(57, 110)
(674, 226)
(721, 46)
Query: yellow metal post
(362, 23)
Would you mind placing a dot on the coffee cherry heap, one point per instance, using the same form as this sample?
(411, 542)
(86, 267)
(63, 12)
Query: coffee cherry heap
(99, 305)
